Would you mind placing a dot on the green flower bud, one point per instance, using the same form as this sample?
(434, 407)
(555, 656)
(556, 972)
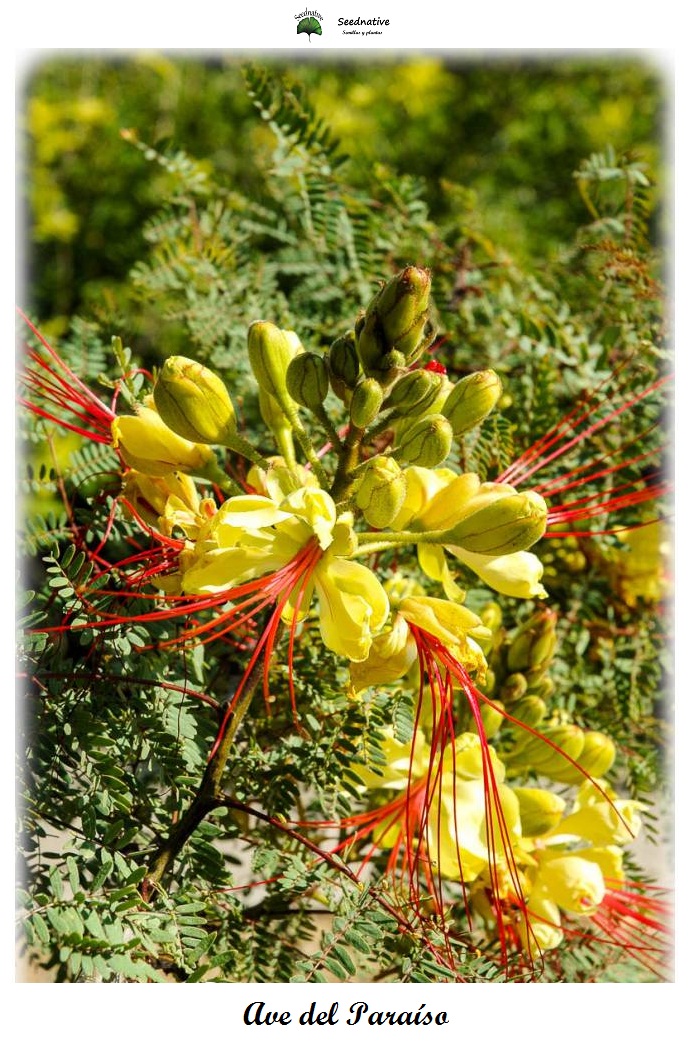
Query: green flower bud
(343, 364)
(534, 643)
(270, 350)
(598, 754)
(194, 402)
(396, 320)
(508, 524)
(427, 443)
(414, 393)
(545, 759)
(595, 759)
(531, 710)
(540, 810)
(381, 491)
(365, 402)
(491, 720)
(471, 400)
(402, 306)
(514, 688)
(307, 380)
(545, 686)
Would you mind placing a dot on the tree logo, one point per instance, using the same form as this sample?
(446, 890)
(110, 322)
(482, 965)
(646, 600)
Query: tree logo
(309, 22)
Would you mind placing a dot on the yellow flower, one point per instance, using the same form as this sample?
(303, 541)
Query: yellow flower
(392, 654)
(166, 502)
(459, 841)
(639, 570)
(254, 535)
(441, 500)
(148, 445)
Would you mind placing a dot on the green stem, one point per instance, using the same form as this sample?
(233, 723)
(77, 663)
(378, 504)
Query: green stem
(309, 452)
(372, 547)
(247, 450)
(389, 538)
(208, 796)
(343, 485)
(330, 430)
(383, 425)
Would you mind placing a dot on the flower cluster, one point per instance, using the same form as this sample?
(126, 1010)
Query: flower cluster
(292, 545)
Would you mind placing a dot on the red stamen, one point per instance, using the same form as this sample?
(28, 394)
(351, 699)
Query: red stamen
(53, 381)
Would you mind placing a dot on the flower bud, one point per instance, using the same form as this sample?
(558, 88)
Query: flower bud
(540, 810)
(545, 686)
(365, 402)
(514, 688)
(427, 443)
(402, 306)
(508, 524)
(194, 402)
(270, 350)
(491, 615)
(596, 758)
(342, 362)
(531, 710)
(381, 491)
(544, 757)
(395, 320)
(148, 445)
(471, 400)
(307, 380)
(414, 393)
(491, 720)
(598, 754)
(534, 643)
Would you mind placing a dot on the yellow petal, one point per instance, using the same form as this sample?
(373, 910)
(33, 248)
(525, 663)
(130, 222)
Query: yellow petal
(515, 575)
(353, 606)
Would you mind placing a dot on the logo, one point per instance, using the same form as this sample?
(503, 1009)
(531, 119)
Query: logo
(309, 22)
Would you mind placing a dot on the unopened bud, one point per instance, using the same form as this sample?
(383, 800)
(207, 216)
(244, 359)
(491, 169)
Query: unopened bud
(544, 757)
(540, 810)
(491, 720)
(598, 754)
(595, 759)
(343, 364)
(514, 688)
(381, 491)
(545, 686)
(508, 524)
(427, 443)
(365, 402)
(396, 320)
(402, 306)
(414, 393)
(471, 400)
(307, 380)
(194, 402)
(534, 643)
(531, 710)
(148, 445)
(270, 350)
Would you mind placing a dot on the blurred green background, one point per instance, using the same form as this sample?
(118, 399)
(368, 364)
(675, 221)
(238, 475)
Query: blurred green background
(512, 130)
